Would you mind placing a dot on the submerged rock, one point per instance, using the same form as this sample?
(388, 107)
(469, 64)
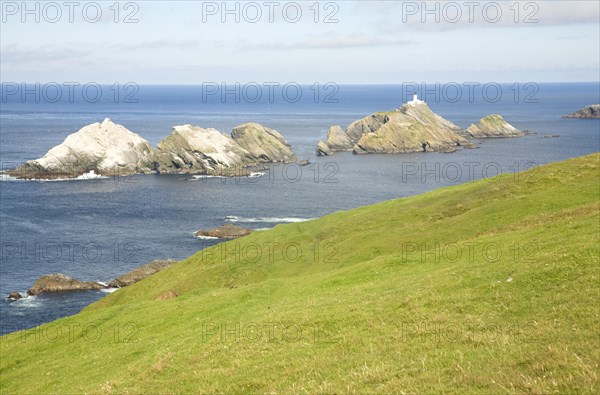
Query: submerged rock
(493, 126)
(140, 273)
(105, 148)
(227, 231)
(62, 283)
(589, 112)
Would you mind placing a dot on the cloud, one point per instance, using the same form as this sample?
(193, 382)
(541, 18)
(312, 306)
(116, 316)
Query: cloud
(329, 41)
(390, 17)
(15, 55)
(569, 38)
(157, 44)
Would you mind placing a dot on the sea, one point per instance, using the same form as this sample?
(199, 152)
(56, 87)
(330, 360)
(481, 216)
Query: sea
(97, 229)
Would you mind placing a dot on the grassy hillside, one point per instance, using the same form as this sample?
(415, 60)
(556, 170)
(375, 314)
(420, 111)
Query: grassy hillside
(491, 286)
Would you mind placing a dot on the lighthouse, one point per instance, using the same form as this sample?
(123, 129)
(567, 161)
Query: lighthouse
(415, 100)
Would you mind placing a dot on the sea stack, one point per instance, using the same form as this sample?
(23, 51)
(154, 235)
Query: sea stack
(493, 126)
(105, 148)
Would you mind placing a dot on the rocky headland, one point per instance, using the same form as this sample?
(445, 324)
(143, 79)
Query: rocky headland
(589, 112)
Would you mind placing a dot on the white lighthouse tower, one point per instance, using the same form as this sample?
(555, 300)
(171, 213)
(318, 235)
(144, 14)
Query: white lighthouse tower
(415, 100)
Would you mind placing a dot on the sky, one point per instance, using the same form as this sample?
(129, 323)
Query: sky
(344, 42)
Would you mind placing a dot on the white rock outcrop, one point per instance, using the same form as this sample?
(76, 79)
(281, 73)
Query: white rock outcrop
(105, 148)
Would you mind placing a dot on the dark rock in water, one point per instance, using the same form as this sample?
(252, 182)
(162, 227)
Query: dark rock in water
(528, 132)
(140, 273)
(549, 136)
(62, 283)
(14, 295)
(303, 162)
(167, 295)
(227, 231)
(589, 112)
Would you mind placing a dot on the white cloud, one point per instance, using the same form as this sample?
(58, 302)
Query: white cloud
(15, 55)
(329, 41)
(391, 17)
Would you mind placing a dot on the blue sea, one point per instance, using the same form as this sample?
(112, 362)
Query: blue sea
(99, 229)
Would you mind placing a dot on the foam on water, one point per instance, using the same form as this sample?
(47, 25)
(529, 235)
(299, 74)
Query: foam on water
(272, 220)
(251, 175)
(207, 238)
(91, 175)
(28, 301)
(109, 290)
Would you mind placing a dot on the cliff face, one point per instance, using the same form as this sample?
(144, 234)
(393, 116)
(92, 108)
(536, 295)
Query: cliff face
(412, 128)
(493, 126)
(105, 148)
(589, 112)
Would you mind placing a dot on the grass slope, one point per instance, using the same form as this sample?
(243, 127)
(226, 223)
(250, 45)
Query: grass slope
(490, 286)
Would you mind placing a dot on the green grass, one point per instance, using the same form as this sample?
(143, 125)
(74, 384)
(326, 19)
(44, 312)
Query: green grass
(368, 314)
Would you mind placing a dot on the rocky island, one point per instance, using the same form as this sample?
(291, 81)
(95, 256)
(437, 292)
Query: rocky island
(109, 149)
(589, 112)
(493, 126)
(195, 150)
(103, 148)
(411, 128)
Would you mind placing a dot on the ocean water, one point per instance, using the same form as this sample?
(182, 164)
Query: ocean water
(99, 229)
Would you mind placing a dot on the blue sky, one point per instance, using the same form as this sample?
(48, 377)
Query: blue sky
(368, 42)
